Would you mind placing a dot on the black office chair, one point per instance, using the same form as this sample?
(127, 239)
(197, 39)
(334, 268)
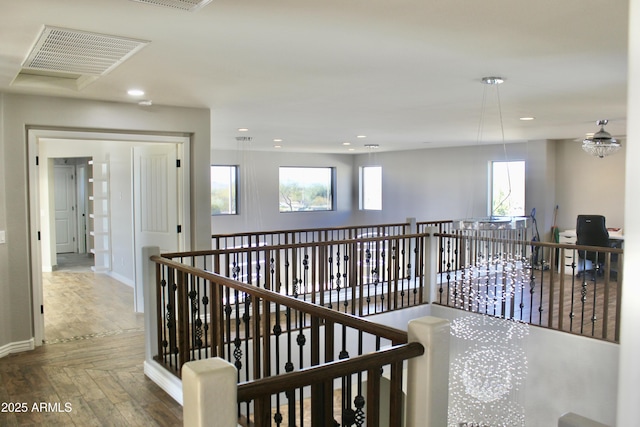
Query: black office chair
(591, 230)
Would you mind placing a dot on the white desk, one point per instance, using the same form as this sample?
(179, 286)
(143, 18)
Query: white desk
(571, 235)
(568, 237)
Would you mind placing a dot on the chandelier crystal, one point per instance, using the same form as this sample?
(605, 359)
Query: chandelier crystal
(601, 144)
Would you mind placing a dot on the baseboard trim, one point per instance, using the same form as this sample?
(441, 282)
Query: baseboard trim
(17, 347)
(165, 380)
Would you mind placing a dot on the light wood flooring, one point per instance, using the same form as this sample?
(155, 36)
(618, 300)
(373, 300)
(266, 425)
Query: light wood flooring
(89, 371)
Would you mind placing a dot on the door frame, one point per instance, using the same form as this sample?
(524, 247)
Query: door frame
(35, 135)
(82, 202)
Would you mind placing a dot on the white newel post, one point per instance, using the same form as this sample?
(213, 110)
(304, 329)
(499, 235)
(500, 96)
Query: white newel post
(428, 375)
(150, 310)
(413, 225)
(210, 391)
(431, 267)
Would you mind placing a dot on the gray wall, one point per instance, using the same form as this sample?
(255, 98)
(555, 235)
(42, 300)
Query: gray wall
(452, 183)
(5, 290)
(433, 184)
(17, 112)
(258, 191)
(589, 185)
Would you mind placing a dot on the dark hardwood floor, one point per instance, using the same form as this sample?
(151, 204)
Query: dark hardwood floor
(89, 371)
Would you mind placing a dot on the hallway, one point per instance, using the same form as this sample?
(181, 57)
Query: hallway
(89, 371)
(79, 304)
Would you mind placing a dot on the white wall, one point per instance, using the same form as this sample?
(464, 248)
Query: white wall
(258, 191)
(566, 373)
(628, 407)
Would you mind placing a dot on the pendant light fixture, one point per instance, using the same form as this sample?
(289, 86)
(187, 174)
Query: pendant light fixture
(491, 222)
(601, 144)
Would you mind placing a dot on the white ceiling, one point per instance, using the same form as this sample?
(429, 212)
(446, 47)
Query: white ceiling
(317, 73)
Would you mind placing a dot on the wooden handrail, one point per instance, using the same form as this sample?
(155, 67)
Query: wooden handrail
(309, 230)
(526, 242)
(396, 336)
(290, 245)
(248, 391)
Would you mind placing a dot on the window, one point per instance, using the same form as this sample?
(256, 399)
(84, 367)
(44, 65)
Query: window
(507, 188)
(371, 188)
(306, 189)
(224, 190)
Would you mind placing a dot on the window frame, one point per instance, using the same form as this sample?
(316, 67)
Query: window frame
(233, 185)
(511, 167)
(363, 188)
(331, 188)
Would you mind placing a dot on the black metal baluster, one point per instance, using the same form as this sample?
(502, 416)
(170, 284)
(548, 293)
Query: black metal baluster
(171, 321)
(347, 285)
(540, 307)
(359, 401)
(338, 278)
(446, 261)
(228, 310)
(573, 291)
(301, 339)
(376, 274)
(417, 270)
(404, 281)
(277, 332)
(162, 324)
(208, 318)
(196, 329)
(331, 276)
(246, 318)
(348, 415)
(596, 273)
(369, 274)
(583, 291)
(288, 367)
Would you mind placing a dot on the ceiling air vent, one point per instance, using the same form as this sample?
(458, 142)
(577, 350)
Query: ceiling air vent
(244, 138)
(72, 58)
(190, 5)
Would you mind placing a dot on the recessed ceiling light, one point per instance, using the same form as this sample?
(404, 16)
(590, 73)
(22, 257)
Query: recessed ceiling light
(526, 119)
(277, 146)
(243, 130)
(145, 103)
(361, 136)
(346, 143)
(135, 92)
(277, 140)
(352, 149)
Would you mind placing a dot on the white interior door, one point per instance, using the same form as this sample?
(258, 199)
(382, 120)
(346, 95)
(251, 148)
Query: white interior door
(156, 204)
(64, 202)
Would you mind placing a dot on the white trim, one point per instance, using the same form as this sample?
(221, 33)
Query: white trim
(35, 249)
(34, 136)
(168, 382)
(17, 347)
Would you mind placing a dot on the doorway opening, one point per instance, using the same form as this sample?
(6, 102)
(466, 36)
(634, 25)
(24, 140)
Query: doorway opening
(71, 204)
(48, 150)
